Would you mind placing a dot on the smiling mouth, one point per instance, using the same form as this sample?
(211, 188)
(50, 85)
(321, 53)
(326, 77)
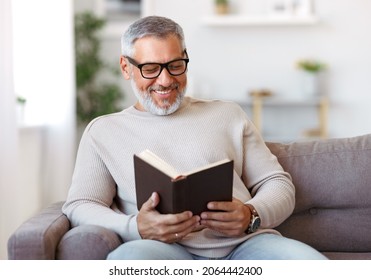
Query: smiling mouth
(164, 91)
(161, 92)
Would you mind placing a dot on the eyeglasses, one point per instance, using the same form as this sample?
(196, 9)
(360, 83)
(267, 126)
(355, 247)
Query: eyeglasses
(151, 70)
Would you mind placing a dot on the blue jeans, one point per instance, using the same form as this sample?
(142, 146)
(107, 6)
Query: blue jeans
(264, 246)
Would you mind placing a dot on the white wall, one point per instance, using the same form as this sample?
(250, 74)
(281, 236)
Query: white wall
(230, 61)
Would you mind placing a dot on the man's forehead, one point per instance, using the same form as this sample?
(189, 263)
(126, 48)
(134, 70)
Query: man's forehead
(164, 49)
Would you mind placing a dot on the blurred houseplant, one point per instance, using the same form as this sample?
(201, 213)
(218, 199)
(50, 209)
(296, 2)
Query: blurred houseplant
(221, 6)
(21, 104)
(94, 97)
(311, 69)
(311, 65)
(21, 100)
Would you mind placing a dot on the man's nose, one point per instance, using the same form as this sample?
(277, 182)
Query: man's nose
(165, 79)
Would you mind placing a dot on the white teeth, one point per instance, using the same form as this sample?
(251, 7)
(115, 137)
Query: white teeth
(163, 92)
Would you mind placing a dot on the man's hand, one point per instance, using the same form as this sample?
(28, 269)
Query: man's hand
(232, 218)
(168, 228)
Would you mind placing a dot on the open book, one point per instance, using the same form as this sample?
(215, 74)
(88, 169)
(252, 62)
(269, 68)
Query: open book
(181, 191)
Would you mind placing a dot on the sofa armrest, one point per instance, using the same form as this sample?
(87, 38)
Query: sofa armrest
(87, 242)
(38, 237)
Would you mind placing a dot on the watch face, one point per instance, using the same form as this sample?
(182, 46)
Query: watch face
(255, 224)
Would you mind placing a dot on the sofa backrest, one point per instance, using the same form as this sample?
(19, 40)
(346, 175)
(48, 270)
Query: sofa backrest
(333, 192)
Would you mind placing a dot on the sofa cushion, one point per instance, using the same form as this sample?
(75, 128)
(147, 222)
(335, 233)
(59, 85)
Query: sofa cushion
(87, 242)
(333, 192)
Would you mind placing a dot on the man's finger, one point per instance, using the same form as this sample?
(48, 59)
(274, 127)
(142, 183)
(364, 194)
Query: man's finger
(151, 203)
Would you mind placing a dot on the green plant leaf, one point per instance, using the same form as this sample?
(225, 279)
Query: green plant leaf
(94, 98)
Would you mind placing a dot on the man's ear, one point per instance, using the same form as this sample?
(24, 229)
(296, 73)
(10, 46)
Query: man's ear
(125, 68)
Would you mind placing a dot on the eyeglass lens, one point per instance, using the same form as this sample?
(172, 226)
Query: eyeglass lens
(153, 70)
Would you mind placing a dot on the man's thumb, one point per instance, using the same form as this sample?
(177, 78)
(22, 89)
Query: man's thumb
(152, 202)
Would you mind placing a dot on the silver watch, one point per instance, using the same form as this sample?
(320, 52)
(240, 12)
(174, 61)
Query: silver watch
(254, 221)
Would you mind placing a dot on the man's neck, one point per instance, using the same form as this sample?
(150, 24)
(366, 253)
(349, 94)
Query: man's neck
(139, 107)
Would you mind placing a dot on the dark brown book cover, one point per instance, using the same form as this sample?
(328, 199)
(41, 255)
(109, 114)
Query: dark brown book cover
(185, 192)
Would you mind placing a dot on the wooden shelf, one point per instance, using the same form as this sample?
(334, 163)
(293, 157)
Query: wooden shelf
(243, 20)
(258, 104)
(284, 102)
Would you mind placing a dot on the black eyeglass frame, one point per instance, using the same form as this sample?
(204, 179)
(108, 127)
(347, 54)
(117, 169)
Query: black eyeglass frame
(162, 65)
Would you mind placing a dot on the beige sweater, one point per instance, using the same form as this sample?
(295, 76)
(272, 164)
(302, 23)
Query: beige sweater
(200, 132)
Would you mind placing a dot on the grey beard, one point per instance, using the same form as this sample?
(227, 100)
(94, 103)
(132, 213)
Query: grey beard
(144, 98)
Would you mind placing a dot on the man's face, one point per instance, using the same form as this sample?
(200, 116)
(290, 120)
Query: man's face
(161, 95)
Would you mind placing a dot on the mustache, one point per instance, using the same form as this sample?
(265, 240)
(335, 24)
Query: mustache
(162, 88)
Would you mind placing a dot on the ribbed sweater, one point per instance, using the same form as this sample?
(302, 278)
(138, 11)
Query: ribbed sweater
(102, 191)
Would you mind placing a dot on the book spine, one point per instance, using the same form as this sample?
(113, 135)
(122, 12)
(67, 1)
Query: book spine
(180, 195)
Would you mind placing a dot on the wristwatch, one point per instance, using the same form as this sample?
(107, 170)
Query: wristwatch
(254, 220)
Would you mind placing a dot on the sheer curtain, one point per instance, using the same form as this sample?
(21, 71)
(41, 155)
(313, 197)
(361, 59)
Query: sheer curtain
(8, 131)
(37, 51)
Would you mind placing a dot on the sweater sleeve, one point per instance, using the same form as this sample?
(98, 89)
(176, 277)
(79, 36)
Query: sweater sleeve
(273, 193)
(92, 192)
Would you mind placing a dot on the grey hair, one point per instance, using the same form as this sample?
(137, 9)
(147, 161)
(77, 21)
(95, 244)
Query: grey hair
(156, 26)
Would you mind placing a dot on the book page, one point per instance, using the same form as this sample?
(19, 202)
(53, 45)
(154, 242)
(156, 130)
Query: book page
(166, 168)
(207, 166)
(159, 163)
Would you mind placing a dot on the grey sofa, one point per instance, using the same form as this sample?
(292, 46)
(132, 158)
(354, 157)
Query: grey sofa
(332, 213)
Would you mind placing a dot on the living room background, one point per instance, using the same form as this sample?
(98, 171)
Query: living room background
(227, 62)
